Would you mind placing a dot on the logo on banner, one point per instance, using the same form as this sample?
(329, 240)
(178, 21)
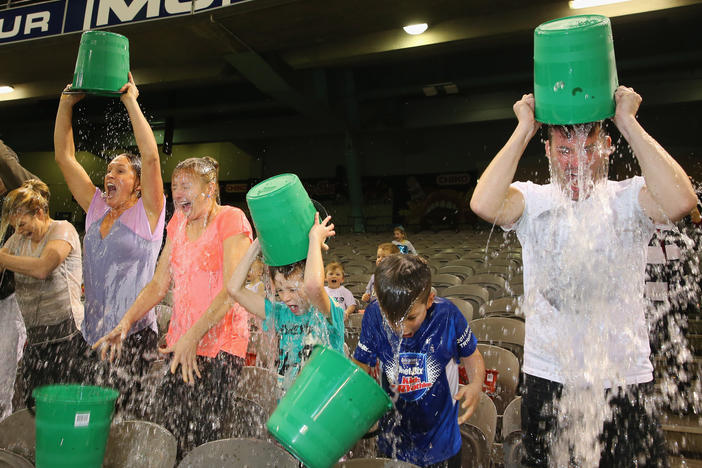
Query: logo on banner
(413, 378)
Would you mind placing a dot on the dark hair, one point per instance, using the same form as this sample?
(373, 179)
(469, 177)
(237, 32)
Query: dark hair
(134, 162)
(400, 281)
(589, 129)
(287, 270)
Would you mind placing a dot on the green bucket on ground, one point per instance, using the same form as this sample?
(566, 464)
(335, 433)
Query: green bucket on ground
(575, 73)
(283, 215)
(72, 425)
(331, 405)
(102, 66)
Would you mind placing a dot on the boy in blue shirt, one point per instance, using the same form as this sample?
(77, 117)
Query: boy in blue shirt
(306, 315)
(418, 339)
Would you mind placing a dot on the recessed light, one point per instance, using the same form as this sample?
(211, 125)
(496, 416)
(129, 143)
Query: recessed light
(415, 29)
(577, 4)
(6, 89)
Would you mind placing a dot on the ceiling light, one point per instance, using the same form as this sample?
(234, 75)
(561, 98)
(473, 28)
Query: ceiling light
(576, 4)
(6, 89)
(415, 29)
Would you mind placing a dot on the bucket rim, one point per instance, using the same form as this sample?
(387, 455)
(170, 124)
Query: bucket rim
(102, 394)
(251, 194)
(598, 21)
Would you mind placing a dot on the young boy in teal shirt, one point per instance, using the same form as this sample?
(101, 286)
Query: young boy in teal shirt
(305, 315)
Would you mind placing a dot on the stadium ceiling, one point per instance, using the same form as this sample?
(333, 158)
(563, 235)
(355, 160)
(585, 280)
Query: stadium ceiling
(261, 68)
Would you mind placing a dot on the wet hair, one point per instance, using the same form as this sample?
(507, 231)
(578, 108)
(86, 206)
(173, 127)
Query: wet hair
(287, 270)
(334, 266)
(205, 168)
(389, 248)
(401, 281)
(589, 129)
(134, 162)
(33, 195)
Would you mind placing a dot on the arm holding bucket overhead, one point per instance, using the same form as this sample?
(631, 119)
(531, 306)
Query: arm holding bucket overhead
(314, 267)
(470, 394)
(76, 177)
(147, 299)
(493, 199)
(668, 194)
(151, 180)
(236, 287)
(185, 349)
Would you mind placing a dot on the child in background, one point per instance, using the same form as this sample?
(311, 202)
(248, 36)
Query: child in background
(306, 315)
(384, 250)
(400, 240)
(254, 278)
(343, 297)
(418, 340)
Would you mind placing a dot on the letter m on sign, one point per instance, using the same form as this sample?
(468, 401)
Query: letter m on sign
(125, 10)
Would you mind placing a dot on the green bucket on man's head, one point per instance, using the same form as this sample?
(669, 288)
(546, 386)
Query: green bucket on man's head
(283, 215)
(72, 425)
(575, 73)
(331, 405)
(102, 66)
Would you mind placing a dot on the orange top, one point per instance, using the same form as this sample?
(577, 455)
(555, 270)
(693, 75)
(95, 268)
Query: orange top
(197, 272)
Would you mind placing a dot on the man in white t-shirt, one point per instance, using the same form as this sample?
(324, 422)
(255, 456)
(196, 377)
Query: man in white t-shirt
(584, 242)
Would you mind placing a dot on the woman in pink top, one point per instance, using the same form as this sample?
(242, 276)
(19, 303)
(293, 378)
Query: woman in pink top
(207, 334)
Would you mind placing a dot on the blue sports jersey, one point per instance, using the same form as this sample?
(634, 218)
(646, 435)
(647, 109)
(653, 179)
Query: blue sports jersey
(423, 428)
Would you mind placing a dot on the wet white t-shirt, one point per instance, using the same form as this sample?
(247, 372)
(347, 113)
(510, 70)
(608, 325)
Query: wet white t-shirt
(343, 297)
(57, 298)
(584, 271)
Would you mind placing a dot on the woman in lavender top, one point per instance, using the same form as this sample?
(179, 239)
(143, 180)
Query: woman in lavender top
(123, 234)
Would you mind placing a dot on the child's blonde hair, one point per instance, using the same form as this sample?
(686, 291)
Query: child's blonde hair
(33, 195)
(334, 266)
(389, 248)
(205, 168)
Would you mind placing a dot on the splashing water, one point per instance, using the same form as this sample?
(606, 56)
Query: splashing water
(585, 282)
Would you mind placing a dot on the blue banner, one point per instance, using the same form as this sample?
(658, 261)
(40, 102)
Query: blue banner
(67, 16)
(31, 22)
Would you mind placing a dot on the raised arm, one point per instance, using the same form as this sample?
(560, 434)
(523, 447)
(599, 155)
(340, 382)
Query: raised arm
(54, 253)
(151, 295)
(185, 349)
(668, 194)
(236, 287)
(493, 199)
(314, 267)
(151, 180)
(12, 174)
(78, 180)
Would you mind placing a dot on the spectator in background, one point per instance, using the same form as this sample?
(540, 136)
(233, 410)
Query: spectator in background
(384, 250)
(400, 240)
(343, 297)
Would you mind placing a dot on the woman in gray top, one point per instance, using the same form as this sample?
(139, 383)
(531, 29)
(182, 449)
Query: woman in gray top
(45, 256)
(12, 331)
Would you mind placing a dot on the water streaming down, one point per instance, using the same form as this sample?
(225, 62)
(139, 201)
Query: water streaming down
(585, 283)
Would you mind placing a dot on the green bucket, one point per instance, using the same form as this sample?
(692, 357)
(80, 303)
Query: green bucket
(575, 73)
(283, 215)
(331, 405)
(72, 425)
(102, 66)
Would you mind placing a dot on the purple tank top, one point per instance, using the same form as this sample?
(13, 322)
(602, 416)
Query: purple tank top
(116, 268)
